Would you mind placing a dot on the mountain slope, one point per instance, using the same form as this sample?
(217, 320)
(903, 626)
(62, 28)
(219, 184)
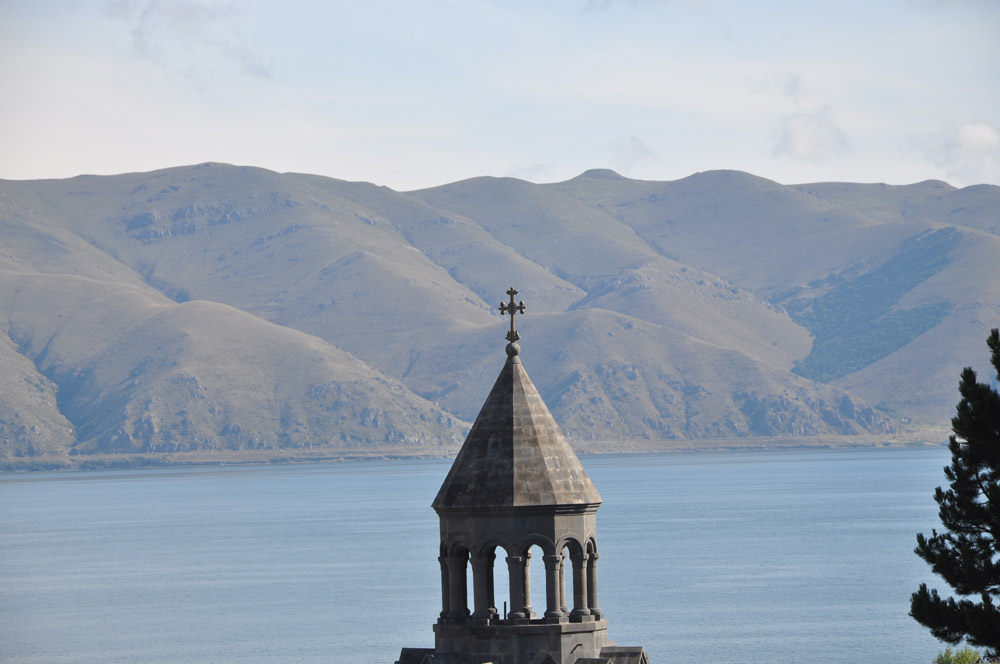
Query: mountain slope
(758, 234)
(471, 255)
(222, 307)
(868, 270)
(110, 365)
(569, 239)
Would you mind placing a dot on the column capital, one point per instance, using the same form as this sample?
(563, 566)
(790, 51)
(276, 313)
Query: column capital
(552, 558)
(482, 561)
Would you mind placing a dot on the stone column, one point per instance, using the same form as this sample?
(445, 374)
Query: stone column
(562, 583)
(445, 588)
(515, 572)
(553, 583)
(482, 586)
(458, 601)
(580, 594)
(592, 585)
(529, 611)
(491, 600)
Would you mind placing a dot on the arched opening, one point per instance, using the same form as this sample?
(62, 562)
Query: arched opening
(500, 574)
(526, 582)
(470, 585)
(536, 597)
(565, 585)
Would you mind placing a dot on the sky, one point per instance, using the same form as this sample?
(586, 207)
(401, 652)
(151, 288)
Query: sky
(418, 93)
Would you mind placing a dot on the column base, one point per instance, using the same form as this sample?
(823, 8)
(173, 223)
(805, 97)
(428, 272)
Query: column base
(488, 614)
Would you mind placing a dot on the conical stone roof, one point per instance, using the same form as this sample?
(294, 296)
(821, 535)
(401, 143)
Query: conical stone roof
(515, 455)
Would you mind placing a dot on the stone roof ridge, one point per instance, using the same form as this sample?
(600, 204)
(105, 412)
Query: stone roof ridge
(515, 455)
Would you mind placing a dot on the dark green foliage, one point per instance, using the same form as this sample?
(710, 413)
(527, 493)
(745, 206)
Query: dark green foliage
(854, 324)
(967, 554)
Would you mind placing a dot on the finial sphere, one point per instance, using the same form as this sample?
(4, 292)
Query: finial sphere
(513, 349)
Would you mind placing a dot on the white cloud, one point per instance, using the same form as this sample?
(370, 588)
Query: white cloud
(532, 173)
(630, 151)
(969, 152)
(600, 5)
(793, 88)
(179, 34)
(451, 89)
(811, 136)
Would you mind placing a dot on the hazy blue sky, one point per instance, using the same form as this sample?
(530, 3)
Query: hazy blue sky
(424, 92)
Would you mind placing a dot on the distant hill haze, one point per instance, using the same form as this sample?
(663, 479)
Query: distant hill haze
(216, 307)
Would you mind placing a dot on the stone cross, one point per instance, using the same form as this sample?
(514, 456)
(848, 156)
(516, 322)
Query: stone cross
(511, 308)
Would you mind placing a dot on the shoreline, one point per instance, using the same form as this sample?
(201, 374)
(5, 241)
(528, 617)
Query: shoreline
(924, 438)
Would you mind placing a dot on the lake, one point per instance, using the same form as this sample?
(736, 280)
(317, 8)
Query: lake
(717, 557)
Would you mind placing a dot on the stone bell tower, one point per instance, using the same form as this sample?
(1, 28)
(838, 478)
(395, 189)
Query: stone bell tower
(517, 484)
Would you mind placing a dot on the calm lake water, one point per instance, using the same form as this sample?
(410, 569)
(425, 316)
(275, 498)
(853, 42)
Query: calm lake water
(721, 558)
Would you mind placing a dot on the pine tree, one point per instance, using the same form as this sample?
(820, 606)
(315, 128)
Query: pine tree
(967, 554)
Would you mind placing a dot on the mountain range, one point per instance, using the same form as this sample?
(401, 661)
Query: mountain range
(235, 310)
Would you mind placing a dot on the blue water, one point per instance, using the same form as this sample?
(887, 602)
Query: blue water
(727, 558)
